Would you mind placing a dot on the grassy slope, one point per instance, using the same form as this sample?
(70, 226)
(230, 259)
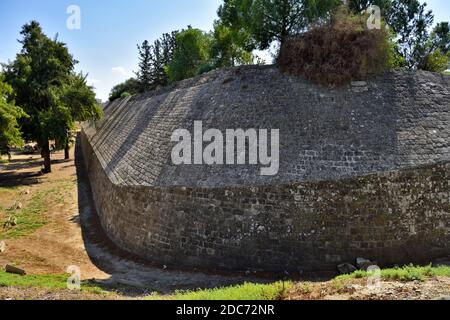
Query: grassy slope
(32, 216)
(407, 273)
(52, 282)
(246, 291)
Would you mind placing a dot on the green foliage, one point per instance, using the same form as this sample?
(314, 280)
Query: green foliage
(39, 70)
(236, 15)
(266, 21)
(228, 47)
(207, 67)
(233, 42)
(440, 37)
(47, 90)
(144, 75)
(77, 103)
(125, 94)
(10, 134)
(358, 6)
(410, 20)
(52, 282)
(436, 61)
(192, 51)
(246, 291)
(79, 97)
(406, 273)
(154, 60)
(131, 87)
(32, 216)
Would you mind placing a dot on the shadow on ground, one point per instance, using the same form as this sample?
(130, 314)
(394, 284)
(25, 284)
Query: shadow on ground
(10, 177)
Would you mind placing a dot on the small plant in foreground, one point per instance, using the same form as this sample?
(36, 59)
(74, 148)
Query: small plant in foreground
(406, 273)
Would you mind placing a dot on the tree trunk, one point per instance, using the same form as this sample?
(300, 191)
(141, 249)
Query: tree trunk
(67, 151)
(46, 155)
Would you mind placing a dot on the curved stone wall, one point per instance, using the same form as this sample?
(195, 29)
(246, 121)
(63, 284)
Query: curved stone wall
(364, 171)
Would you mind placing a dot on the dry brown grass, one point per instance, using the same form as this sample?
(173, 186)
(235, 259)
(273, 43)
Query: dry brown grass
(337, 52)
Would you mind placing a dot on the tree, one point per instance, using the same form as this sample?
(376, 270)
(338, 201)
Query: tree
(192, 52)
(154, 60)
(233, 39)
(274, 20)
(440, 37)
(10, 134)
(78, 97)
(435, 61)
(358, 6)
(145, 73)
(228, 48)
(163, 51)
(39, 74)
(410, 20)
(131, 86)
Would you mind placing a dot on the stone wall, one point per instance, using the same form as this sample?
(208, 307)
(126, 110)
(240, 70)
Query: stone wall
(364, 172)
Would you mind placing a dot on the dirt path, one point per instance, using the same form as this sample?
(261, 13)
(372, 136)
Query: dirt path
(72, 235)
(357, 289)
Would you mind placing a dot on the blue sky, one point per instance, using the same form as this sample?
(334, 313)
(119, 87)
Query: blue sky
(110, 29)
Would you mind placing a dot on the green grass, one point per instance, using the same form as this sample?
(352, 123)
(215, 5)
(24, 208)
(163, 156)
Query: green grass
(31, 216)
(406, 273)
(446, 73)
(246, 291)
(53, 282)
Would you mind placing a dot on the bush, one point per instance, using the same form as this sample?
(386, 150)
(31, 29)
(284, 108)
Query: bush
(436, 62)
(339, 51)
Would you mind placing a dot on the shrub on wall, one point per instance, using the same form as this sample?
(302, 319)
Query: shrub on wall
(339, 51)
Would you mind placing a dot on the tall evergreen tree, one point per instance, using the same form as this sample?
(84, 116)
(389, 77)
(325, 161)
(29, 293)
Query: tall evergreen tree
(39, 70)
(40, 76)
(145, 73)
(154, 60)
(163, 50)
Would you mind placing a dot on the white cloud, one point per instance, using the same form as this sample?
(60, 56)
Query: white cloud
(119, 71)
(92, 82)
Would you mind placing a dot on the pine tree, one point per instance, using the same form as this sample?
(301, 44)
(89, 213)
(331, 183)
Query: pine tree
(145, 73)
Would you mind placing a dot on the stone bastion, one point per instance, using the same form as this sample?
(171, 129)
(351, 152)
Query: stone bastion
(363, 172)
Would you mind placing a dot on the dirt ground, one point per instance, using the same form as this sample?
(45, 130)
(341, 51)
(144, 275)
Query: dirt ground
(358, 289)
(73, 236)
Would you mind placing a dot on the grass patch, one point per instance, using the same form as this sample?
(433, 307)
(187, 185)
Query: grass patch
(446, 73)
(32, 216)
(406, 273)
(53, 282)
(246, 291)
